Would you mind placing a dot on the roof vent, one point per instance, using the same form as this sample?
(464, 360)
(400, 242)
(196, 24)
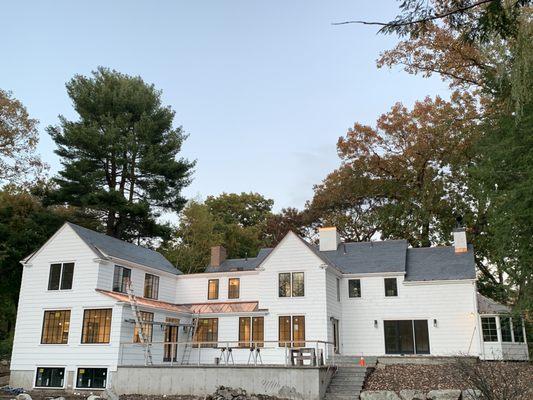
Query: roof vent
(218, 256)
(459, 240)
(329, 239)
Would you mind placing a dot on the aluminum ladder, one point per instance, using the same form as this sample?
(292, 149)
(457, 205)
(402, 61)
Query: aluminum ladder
(137, 317)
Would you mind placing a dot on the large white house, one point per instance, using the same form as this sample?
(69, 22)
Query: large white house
(74, 324)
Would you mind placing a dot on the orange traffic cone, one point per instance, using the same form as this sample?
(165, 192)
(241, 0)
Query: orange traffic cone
(362, 362)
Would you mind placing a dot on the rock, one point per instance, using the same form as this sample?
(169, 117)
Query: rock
(94, 397)
(412, 395)
(379, 395)
(450, 394)
(58, 398)
(4, 363)
(23, 396)
(471, 394)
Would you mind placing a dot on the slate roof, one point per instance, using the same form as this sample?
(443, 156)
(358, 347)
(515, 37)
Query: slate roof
(439, 263)
(241, 264)
(110, 246)
(489, 306)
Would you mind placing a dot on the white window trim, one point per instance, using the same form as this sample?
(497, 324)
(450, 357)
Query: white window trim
(291, 296)
(90, 367)
(60, 276)
(34, 386)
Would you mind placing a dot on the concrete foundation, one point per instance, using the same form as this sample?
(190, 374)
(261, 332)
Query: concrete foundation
(23, 379)
(302, 383)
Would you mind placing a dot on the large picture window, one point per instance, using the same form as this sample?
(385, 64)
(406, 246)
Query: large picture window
(61, 276)
(56, 326)
(251, 329)
(121, 278)
(96, 326)
(91, 378)
(354, 288)
(234, 288)
(291, 284)
(406, 337)
(291, 331)
(151, 286)
(490, 332)
(207, 331)
(146, 327)
(212, 289)
(50, 377)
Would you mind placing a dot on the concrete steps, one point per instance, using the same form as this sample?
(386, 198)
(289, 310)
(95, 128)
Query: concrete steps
(347, 382)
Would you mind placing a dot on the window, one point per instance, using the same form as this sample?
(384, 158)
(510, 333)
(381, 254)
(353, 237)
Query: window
(121, 278)
(212, 289)
(291, 331)
(234, 288)
(96, 326)
(338, 289)
(170, 348)
(291, 284)
(488, 325)
(55, 327)
(251, 330)
(50, 377)
(207, 331)
(505, 324)
(354, 288)
(406, 337)
(517, 330)
(391, 287)
(147, 328)
(151, 286)
(91, 378)
(60, 277)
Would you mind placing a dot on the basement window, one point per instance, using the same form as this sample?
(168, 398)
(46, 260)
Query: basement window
(50, 377)
(60, 277)
(91, 378)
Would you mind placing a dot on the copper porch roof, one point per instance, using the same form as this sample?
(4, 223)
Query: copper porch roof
(193, 308)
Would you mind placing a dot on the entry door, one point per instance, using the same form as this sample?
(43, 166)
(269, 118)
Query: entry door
(335, 323)
(171, 336)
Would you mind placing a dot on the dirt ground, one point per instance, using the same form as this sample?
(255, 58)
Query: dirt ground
(433, 377)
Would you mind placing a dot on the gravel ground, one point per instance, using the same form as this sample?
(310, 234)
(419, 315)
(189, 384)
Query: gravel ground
(432, 377)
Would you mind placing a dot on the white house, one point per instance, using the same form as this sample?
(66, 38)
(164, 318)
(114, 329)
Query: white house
(74, 324)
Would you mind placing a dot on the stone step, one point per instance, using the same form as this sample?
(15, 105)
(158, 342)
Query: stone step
(345, 382)
(340, 389)
(332, 396)
(347, 393)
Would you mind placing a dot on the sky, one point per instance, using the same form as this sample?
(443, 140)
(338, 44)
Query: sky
(264, 89)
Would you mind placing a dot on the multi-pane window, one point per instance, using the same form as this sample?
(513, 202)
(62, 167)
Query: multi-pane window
(207, 331)
(212, 289)
(291, 331)
(60, 277)
(91, 378)
(55, 327)
(151, 286)
(488, 326)
(505, 324)
(291, 284)
(147, 327)
(121, 278)
(234, 288)
(96, 326)
(354, 288)
(50, 377)
(251, 331)
(517, 330)
(406, 337)
(170, 348)
(391, 287)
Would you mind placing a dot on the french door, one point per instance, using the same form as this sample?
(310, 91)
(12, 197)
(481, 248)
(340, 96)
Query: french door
(406, 337)
(170, 350)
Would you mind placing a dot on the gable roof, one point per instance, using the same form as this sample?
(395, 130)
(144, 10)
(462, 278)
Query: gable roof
(104, 245)
(241, 264)
(489, 306)
(439, 263)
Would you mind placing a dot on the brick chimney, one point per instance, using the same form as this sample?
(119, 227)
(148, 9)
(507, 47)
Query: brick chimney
(459, 240)
(218, 255)
(328, 238)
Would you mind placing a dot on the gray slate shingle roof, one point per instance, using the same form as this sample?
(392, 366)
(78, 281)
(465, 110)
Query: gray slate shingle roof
(241, 264)
(439, 263)
(126, 251)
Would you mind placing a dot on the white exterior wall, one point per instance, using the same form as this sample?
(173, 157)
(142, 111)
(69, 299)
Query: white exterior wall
(35, 299)
(452, 304)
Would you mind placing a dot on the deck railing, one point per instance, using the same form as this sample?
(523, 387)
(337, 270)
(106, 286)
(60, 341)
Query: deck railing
(226, 353)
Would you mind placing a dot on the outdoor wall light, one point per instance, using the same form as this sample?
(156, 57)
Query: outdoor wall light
(375, 323)
(435, 323)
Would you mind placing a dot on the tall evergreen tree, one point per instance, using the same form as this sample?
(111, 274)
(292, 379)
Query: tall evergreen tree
(120, 158)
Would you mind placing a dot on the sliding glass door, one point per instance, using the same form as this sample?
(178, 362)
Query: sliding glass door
(406, 337)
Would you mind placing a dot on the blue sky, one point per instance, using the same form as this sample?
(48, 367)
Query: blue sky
(263, 88)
